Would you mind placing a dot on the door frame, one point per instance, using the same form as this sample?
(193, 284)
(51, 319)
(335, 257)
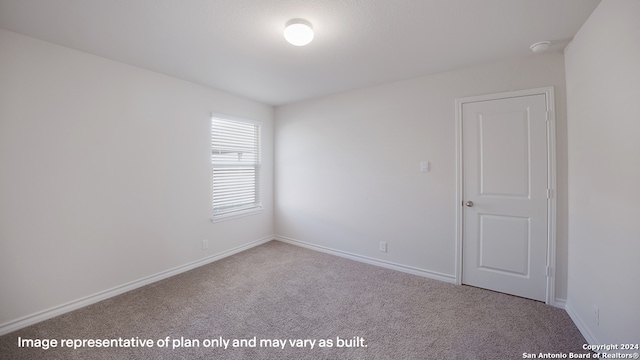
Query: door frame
(551, 180)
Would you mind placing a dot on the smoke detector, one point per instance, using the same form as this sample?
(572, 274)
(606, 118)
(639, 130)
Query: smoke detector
(540, 46)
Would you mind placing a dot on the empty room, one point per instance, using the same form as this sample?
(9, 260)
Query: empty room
(319, 179)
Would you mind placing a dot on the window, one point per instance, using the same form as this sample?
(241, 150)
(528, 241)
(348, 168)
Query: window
(235, 158)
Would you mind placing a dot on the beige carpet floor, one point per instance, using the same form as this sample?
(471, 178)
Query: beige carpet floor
(276, 291)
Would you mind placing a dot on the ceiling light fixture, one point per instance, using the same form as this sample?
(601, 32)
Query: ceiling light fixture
(298, 32)
(540, 46)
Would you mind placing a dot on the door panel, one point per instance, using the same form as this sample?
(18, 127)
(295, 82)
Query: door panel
(500, 235)
(505, 176)
(504, 154)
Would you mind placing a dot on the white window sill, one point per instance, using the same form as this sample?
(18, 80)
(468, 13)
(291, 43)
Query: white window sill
(235, 215)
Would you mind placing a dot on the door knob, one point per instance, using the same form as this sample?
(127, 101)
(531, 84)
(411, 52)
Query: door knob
(469, 203)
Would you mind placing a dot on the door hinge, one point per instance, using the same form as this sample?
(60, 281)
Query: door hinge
(548, 193)
(549, 271)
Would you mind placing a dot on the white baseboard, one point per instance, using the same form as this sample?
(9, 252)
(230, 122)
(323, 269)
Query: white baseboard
(386, 264)
(560, 303)
(580, 324)
(103, 295)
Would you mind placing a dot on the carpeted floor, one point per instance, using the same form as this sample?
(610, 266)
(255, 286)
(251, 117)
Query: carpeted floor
(343, 308)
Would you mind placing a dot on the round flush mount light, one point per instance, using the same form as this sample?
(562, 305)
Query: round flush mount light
(298, 32)
(540, 46)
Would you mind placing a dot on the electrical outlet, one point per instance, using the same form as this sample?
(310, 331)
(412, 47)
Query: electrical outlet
(205, 244)
(596, 314)
(383, 246)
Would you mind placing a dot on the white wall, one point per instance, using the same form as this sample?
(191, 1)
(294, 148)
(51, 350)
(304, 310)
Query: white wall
(105, 174)
(347, 166)
(603, 88)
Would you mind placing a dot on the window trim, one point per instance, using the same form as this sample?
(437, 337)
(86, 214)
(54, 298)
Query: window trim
(242, 212)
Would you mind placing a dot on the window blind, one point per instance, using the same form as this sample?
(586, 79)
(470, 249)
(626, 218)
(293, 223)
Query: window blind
(235, 158)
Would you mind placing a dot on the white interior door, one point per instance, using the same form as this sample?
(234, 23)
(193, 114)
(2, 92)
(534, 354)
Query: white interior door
(505, 182)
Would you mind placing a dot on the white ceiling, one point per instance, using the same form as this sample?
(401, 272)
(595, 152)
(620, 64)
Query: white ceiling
(237, 45)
